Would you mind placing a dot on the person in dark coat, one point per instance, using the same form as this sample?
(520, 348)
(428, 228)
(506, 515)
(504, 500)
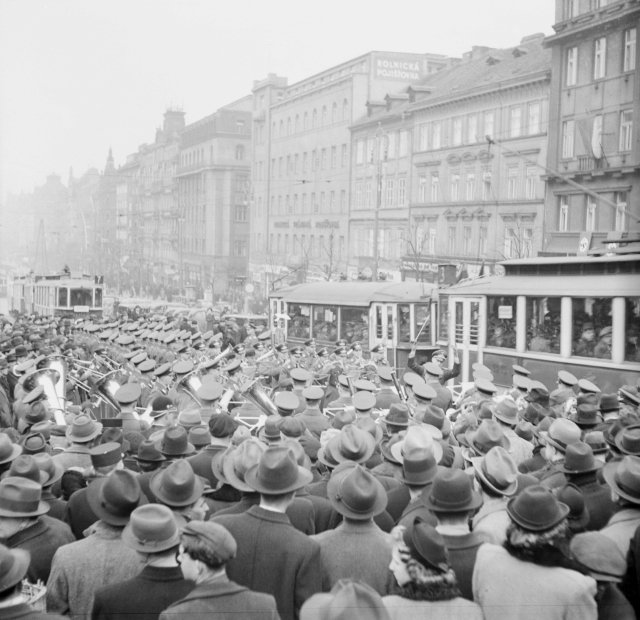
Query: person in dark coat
(152, 532)
(205, 549)
(273, 556)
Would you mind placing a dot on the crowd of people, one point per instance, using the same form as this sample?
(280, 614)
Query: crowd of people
(149, 470)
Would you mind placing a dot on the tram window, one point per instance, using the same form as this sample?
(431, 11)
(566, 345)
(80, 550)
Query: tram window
(354, 325)
(501, 321)
(80, 297)
(443, 318)
(422, 318)
(592, 327)
(632, 337)
(543, 324)
(404, 323)
(98, 302)
(325, 323)
(300, 324)
(62, 297)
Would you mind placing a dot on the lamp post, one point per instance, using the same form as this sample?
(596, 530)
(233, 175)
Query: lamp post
(380, 155)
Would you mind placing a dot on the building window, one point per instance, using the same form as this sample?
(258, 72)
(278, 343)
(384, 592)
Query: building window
(345, 110)
(322, 202)
(360, 152)
(512, 182)
(570, 8)
(368, 193)
(314, 118)
(629, 53)
(533, 118)
(482, 241)
(472, 129)
(402, 192)
(455, 186)
(422, 188)
(323, 161)
(486, 185)
(531, 176)
(305, 162)
(435, 187)
(343, 156)
(343, 201)
(304, 203)
(432, 241)
(388, 146)
(515, 122)
(436, 135)
(466, 240)
(358, 195)
(389, 193)
(591, 224)
(568, 139)
(334, 156)
(527, 242)
(572, 66)
(334, 112)
(456, 131)
(423, 137)
(240, 126)
(626, 129)
(240, 247)
(403, 145)
(241, 213)
(239, 152)
(332, 201)
(470, 186)
(599, 58)
(620, 198)
(451, 240)
(563, 214)
(489, 123)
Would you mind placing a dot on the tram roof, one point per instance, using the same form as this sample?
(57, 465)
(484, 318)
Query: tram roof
(611, 285)
(355, 293)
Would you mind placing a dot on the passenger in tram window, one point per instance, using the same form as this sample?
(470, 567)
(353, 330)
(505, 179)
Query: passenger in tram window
(539, 341)
(603, 348)
(585, 344)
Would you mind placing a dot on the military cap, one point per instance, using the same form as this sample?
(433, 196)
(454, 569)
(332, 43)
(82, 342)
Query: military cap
(567, 378)
(286, 401)
(313, 392)
(424, 392)
(585, 385)
(128, 393)
(364, 400)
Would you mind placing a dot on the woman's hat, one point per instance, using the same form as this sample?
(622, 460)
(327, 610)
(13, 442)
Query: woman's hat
(356, 493)
(271, 429)
(624, 478)
(152, 528)
(498, 471)
(427, 545)
(115, 497)
(20, 497)
(237, 461)
(578, 459)
(348, 599)
(14, 564)
(452, 491)
(277, 472)
(536, 509)
(177, 485)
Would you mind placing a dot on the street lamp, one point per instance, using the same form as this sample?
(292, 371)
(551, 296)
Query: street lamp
(381, 138)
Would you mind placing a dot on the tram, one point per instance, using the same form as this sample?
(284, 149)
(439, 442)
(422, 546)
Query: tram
(63, 295)
(389, 314)
(577, 313)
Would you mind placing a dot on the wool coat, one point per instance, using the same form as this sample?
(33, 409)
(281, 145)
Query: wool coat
(274, 557)
(80, 568)
(622, 527)
(400, 608)
(142, 597)
(313, 419)
(222, 600)
(41, 540)
(507, 587)
(356, 550)
(462, 558)
(22, 611)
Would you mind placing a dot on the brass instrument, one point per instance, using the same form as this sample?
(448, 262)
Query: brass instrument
(254, 393)
(224, 354)
(190, 384)
(265, 356)
(49, 378)
(399, 388)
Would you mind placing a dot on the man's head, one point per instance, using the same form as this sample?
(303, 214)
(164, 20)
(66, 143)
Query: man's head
(438, 356)
(205, 548)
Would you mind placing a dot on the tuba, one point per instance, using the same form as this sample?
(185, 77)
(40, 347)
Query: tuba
(254, 393)
(49, 378)
(190, 384)
(224, 354)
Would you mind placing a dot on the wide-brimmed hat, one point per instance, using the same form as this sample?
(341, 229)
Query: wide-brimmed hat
(353, 599)
(369, 425)
(50, 469)
(486, 436)
(435, 416)
(271, 429)
(190, 418)
(148, 452)
(452, 491)
(8, 450)
(115, 497)
(353, 444)
(355, 492)
(604, 561)
(419, 467)
(237, 461)
(562, 433)
(33, 443)
(536, 509)
(578, 459)
(628, 440)
(597, 441)
(426, 545)
(418, 436)
(498, 471)
(624, 478)
(506, 411)
(177, 485)
(83, 429)
(199, 436)
(14, 564)
(21, 497)
(152, 528)
(175, 442)
(586, 415)
(25, 466)
(608, 403)
(277, 472)
(398, 415)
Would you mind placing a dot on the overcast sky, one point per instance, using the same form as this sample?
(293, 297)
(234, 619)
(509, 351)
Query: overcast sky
(80, 76)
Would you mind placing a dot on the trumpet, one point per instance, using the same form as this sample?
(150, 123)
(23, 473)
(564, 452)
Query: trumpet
(265, 356)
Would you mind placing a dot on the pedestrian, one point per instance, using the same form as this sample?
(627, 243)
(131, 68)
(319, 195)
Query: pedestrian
(347, 599)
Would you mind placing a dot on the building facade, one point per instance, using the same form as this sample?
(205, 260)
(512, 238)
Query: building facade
(593, 182)
(301, 163)
(431, 188)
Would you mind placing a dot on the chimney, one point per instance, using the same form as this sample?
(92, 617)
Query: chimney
(173, 121)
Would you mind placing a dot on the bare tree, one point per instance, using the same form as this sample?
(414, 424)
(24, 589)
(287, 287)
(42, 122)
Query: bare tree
(416, 240)
(518, 237)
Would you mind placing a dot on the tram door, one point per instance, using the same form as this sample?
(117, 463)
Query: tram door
(465, 327)
(383, 330)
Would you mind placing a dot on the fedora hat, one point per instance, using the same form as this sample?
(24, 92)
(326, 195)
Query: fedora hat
(624, 478)
(152, 528)
(485, 437)
(177, 485)
(452, 491)
(237, 461)
(326, 452)
(356, 493)
(435, 416)
(148, 452)
(83, 429)
(398, 415)
(604, 561)
(628, 440)
(506, 411)
(426, 545)
(51, 469)
(25, 466)
(418, 436)
(578, 459)
(419, 467)
(292, 427)
(8, 450)
(199, 436)
(175, 442)
(33, 443)
(277, 472)
(114, 497)
(536, 509)
(343, 417)
(353, 444)
(368, 424)
(347, 599)
(271, 429)
(586, 415)
(609, 402)
(562, 433)
(20, 497)
(597, 442)
(217, 461)
(498, 471)
(190, 418)
(14, 564)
